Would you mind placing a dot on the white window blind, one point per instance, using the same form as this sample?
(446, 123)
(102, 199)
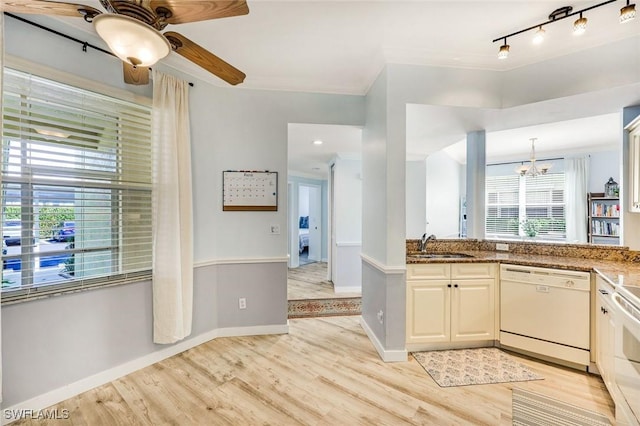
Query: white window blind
(545, 204)
(513, 199)
(76, 188)
(503, 201)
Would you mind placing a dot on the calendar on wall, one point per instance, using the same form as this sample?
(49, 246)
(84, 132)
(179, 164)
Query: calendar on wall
(249, 190)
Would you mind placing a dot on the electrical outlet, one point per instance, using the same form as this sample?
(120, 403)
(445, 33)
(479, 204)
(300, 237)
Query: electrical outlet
(380, 316)
(275, 229)
(502, 247)
(242, 303)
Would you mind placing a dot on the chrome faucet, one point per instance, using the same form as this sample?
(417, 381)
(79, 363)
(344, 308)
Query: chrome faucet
(425, 240)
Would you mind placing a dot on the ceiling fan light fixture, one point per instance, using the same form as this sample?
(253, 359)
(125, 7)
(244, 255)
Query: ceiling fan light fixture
(580, 26)
(131, 40)
(627, 13)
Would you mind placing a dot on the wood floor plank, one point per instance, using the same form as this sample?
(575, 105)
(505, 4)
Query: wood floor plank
(324, 372)
(310, 282)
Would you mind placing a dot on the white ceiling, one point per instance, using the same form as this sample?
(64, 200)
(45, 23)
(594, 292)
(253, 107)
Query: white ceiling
(572, 137)
(339, 46)
(309, 160)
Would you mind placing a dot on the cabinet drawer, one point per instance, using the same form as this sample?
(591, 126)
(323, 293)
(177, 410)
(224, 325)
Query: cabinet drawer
(473, 270)
(431, 271)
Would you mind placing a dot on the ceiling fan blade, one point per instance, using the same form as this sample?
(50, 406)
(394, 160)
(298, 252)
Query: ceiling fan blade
(41, 7)
(202, 57)
(135, 75)
(182, 11)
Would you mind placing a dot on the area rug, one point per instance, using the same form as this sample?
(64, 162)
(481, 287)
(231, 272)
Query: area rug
(462, 367)
(309, 308)
(534, 409)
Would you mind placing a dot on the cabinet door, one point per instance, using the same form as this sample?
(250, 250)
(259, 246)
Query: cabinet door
(473, 310)
(428, 316)
(605, 332)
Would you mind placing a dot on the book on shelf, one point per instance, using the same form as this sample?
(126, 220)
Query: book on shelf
(603, 227)
(605, 210)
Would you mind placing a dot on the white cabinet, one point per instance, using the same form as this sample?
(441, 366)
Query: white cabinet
(605, 333)
(451, 302)
(634, 167)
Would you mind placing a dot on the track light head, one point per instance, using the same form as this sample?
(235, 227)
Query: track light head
(504, 50)
(627, 13)
(580, 26)
(539, 36)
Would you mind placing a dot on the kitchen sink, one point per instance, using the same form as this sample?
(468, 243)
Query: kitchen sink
(440, 255)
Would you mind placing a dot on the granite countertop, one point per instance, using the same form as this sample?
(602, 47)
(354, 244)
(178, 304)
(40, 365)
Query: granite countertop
(616, 271)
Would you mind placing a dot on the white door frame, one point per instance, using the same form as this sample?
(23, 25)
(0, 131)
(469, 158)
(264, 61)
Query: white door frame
(315, 221)
(294, 258)
(331, 261)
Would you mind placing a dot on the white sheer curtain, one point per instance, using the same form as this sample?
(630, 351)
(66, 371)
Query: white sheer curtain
(576, 180)
(1, 74)
(172, 210)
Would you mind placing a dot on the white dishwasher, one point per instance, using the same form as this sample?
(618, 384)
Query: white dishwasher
(546, 311)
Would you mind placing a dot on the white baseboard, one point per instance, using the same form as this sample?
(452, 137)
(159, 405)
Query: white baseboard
(55, 396)
(354, 289)
(386, 355)
(257, 330)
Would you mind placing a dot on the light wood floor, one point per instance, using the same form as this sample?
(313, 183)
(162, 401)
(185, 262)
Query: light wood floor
(325, 372)
(310, 282)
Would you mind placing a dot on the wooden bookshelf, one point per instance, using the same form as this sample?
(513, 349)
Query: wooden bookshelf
(603, 219)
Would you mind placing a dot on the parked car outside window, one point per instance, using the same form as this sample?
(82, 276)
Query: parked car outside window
(65, 231)
(12, 232)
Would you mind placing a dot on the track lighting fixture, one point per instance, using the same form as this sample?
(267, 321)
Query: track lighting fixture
(580, 26)
(627, 13)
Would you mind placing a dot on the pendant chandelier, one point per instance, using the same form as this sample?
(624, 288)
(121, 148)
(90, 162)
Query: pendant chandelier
(532, 169)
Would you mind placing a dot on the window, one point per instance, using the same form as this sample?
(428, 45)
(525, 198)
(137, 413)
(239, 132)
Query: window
(517, 204)
(76, 188)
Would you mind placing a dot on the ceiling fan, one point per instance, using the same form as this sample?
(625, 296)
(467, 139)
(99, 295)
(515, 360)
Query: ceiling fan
(131, 29)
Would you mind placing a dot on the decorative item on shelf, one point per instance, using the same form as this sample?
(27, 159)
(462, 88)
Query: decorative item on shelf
(611, 188)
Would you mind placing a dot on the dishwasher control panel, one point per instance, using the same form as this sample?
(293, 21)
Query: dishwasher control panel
(545, 277)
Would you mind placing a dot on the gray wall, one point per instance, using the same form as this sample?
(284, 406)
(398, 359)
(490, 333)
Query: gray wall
(53, 342)
(602, 166)
(416, 193)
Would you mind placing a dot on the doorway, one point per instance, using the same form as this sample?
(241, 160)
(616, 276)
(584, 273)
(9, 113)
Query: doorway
(309, 223)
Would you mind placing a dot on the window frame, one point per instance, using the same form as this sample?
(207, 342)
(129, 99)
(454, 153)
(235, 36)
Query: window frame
(522, 203)
(110, 279)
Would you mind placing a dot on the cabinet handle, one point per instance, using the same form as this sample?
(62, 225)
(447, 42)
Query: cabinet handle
(603, 291)
(449, 285)
(455, 285)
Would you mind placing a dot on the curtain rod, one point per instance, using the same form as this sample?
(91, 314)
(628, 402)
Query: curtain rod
(68, 37)
(524, 161)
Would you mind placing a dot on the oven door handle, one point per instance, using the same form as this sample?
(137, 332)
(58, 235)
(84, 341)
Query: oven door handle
(625, 309)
